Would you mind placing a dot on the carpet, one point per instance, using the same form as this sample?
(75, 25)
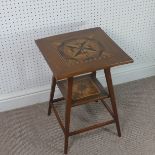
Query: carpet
(29, 131)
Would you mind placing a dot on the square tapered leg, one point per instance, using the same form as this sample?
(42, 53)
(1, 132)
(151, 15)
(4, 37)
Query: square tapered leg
(67, 113)
(51, 95)
(112, 98)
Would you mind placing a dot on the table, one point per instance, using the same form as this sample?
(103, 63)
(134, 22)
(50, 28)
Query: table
(74, 59)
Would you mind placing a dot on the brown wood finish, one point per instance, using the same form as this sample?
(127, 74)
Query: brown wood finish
(86, 88)
(108, 108)
(72, 55)
(112, 98)
(67, 113)
(58, 118)
(58, 99)
(91, 127)
(52, 94)
(89, 50)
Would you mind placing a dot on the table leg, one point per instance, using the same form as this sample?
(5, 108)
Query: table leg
(67, 113)
(93, 74)
(112, 98)
(51, 95)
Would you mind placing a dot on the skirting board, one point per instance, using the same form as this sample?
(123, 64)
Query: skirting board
(41, 94)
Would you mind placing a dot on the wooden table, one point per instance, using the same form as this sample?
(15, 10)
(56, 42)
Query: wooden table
(82, 53)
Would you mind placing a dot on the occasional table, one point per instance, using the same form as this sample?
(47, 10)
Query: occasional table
(74, 59)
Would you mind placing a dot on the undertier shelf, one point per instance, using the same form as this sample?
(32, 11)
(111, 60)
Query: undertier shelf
(86, 88)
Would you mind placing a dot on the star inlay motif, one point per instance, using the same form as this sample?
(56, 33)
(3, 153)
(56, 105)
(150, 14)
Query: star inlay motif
(81, 50)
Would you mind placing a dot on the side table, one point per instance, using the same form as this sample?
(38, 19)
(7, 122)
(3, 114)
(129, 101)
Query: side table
(74, 59)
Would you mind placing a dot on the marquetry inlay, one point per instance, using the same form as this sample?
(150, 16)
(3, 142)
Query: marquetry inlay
(82, 50)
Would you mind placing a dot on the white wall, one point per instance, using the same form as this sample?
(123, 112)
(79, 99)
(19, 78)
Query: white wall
(24, 75)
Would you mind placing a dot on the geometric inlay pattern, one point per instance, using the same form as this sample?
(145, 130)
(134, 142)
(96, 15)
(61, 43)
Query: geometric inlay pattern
(82, 50)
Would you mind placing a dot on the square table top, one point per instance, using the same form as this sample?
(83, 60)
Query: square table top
(80, 52)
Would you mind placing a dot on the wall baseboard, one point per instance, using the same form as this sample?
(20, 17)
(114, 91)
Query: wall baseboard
(41, 94)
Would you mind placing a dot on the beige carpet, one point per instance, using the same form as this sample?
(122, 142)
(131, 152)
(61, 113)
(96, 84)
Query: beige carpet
(29, 131)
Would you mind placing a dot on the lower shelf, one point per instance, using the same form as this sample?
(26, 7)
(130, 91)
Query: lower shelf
(85, 89)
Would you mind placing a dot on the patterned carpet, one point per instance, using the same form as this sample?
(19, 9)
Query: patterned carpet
(29, 131)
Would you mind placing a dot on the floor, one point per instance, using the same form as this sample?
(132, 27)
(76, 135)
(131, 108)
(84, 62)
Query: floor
(29, 131)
